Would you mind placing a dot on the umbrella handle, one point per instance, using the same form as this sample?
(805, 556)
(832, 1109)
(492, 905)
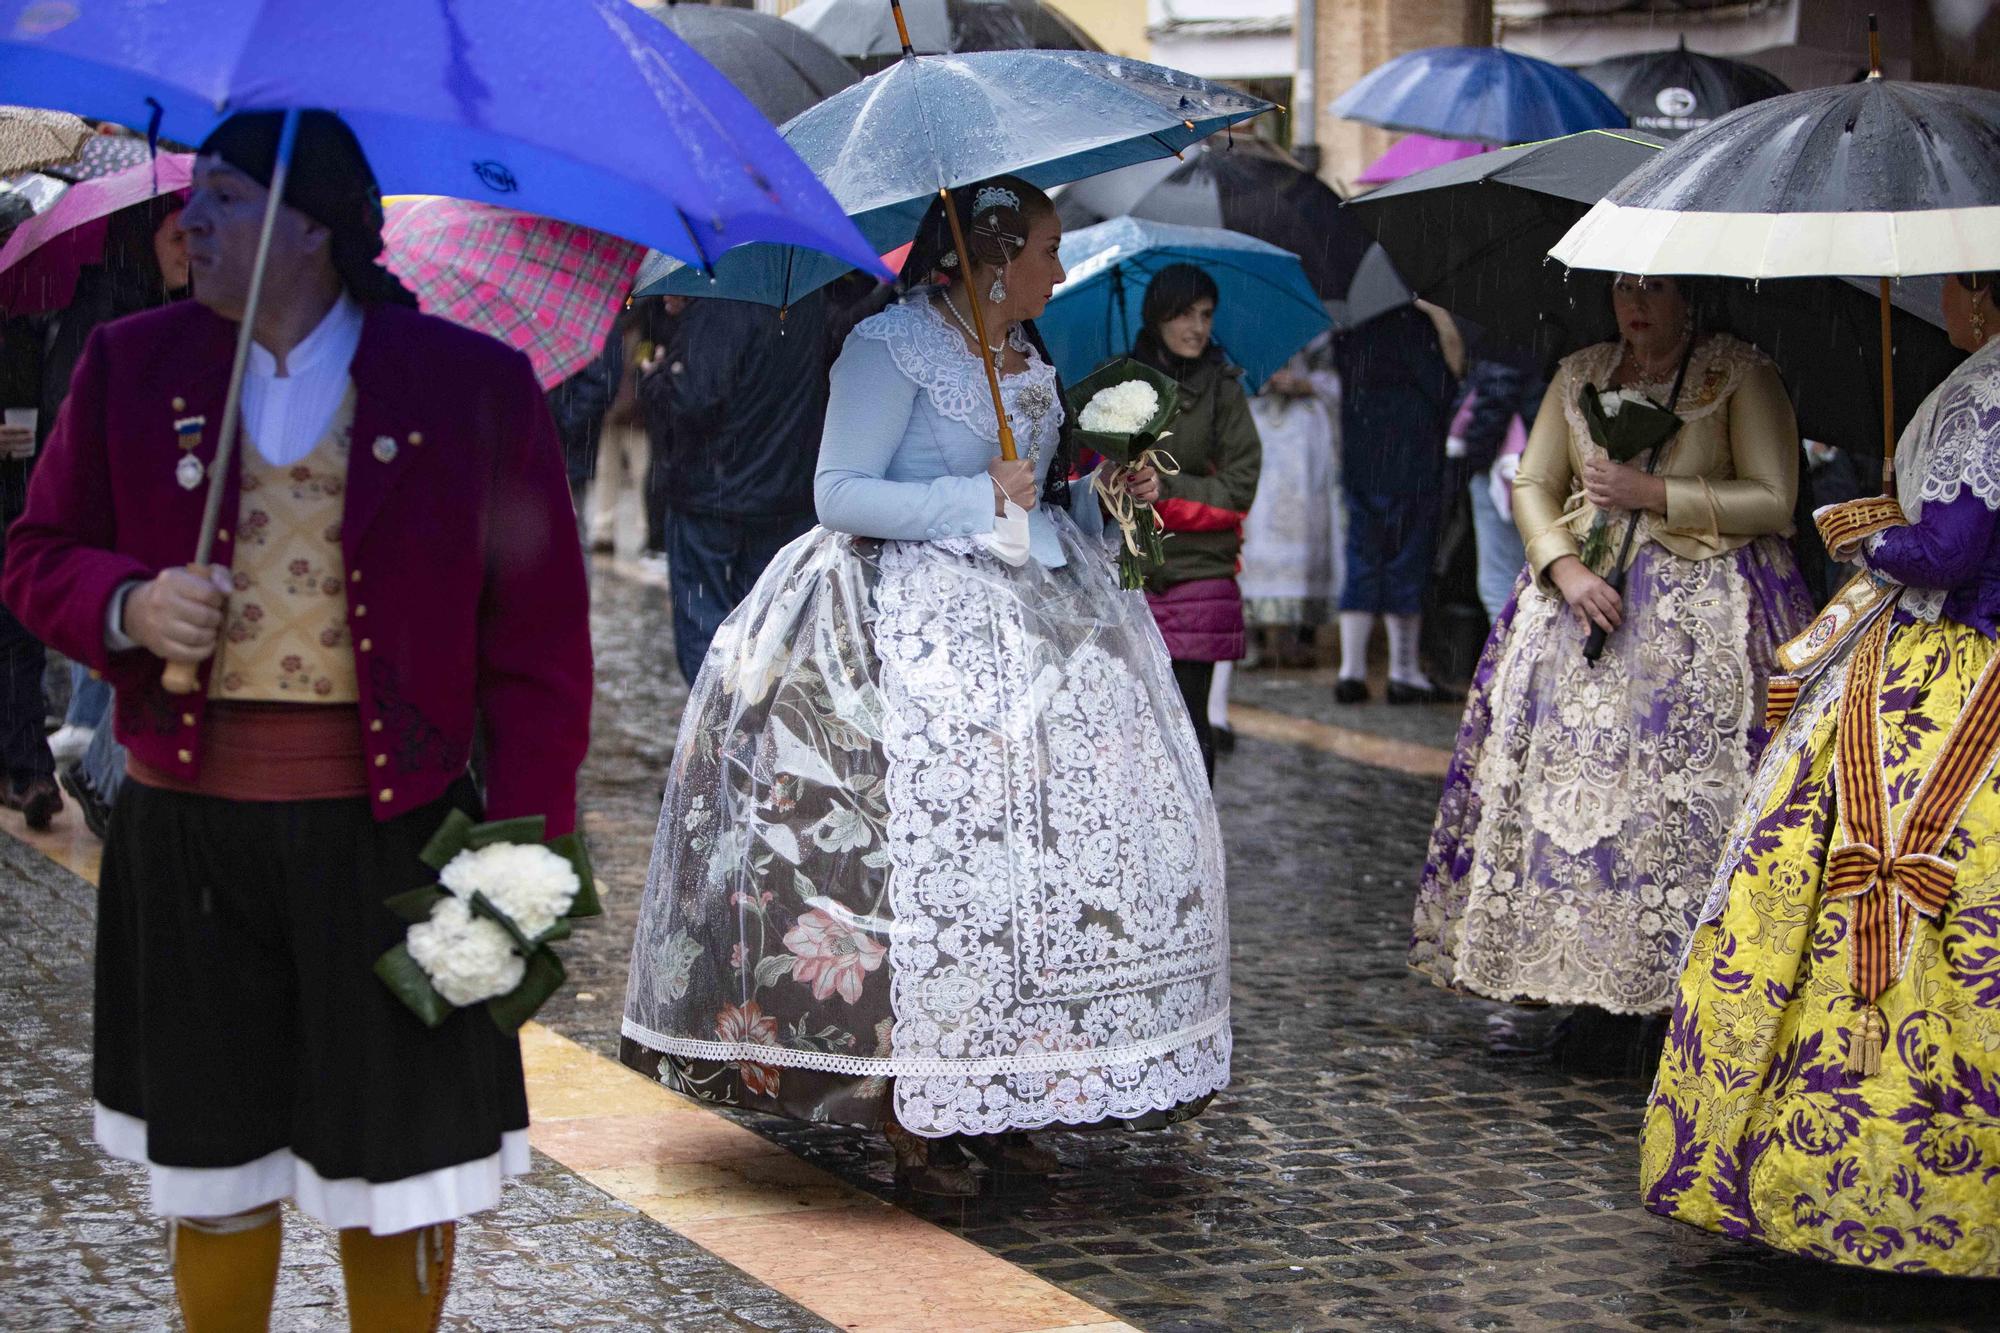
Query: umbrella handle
(1007, 450)
(902, 28)
(183, 677)
(1888, 399)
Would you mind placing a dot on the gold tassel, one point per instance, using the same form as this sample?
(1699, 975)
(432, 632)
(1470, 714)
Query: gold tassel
(1864, 1045)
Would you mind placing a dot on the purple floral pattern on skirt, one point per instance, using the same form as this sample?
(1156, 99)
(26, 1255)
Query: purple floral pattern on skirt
(1585, 806)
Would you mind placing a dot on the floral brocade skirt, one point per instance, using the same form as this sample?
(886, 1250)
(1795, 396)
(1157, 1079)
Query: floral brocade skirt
(1756, 1128)
(1585, 806)
(937, 843)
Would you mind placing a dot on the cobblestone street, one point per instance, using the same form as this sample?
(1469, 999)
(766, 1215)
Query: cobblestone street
(1379, 1162)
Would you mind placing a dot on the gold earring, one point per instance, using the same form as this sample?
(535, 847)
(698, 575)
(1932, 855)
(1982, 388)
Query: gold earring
(1978, 322)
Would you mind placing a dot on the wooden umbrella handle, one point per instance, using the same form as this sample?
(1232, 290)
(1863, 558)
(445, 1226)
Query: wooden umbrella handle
(184, 677)
(1007, 449)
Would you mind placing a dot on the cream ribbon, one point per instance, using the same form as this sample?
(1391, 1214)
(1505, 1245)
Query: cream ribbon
(1116, 492)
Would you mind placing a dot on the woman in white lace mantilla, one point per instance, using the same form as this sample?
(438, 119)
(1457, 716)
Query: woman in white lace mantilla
(937, 852)
(1586, 803)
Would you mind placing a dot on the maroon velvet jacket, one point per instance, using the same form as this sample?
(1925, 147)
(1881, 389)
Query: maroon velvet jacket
(466, 594)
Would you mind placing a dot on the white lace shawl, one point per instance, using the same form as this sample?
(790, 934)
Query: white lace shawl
(1953, 442)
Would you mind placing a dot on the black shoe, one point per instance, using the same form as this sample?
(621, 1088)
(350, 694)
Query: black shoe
(1224, 740)
(96, 813)
(37, 799)
(1400, 693)
(1346, 691)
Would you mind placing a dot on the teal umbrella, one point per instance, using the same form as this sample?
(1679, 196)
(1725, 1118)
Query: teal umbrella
(1266, 309)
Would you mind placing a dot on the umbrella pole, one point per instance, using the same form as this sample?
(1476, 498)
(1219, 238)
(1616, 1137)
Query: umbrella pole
(184, 677)
(1007, 450)
(1888, 400)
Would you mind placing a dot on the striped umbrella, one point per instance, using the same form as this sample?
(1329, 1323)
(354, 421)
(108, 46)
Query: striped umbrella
(550, 289)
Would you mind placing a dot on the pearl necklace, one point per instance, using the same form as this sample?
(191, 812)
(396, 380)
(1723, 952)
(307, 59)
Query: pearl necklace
(970, 331)
(1646, 374)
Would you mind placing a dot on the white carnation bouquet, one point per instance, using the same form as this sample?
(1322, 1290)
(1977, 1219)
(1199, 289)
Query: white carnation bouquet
(482, 933)
(1122, 411)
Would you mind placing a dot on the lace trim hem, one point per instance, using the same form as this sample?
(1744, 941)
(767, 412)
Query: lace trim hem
(995, 1066)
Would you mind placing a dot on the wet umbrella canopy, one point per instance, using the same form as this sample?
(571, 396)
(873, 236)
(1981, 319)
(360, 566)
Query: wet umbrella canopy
(864, 32)
(1245, 187)
(886, 146)
(778, 65)
(1265, 310)
(1480, 93)
(1671, 92)
(103, 155)
(1877, 179)
(1473, 236)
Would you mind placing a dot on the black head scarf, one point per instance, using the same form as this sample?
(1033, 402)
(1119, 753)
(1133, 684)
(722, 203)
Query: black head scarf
(330, 182)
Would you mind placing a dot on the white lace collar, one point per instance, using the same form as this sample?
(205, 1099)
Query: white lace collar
(1953, 442)
(930, 349)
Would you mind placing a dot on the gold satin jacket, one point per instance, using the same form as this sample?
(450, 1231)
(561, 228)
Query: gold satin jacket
(1732, 472)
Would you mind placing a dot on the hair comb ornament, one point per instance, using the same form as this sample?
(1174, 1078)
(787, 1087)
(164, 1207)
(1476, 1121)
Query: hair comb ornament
(994, 196)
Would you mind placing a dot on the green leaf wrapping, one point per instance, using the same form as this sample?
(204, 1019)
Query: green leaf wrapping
(448, 841)
(570, 847)
(1124, 448)
(528, 828)
(415, 906)
(1638, 426)
(544, 978)
(407, 982)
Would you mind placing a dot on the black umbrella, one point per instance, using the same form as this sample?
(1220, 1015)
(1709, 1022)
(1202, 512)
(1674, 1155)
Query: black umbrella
(1257, 190)
(1673, 91)
(1879, 179)
(863, 33)
(1474, 235)
(778, 65)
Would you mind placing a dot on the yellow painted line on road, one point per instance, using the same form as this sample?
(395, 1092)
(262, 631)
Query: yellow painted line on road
(1424, 761)
(800, 1231)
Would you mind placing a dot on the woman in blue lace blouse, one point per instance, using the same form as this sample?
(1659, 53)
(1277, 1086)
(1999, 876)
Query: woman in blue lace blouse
(937, 854)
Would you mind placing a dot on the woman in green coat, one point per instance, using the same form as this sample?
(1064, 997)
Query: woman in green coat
(1193, 594)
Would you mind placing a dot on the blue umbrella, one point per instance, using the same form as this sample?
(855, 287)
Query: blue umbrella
(1266, 309)
(584, 110)
(1480, 93)
(886, 146)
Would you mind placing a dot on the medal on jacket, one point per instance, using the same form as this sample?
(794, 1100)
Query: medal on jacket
(187, 434)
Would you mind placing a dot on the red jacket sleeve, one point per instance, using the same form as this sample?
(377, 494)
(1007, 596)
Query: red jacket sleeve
(61, 569)
(534, 623)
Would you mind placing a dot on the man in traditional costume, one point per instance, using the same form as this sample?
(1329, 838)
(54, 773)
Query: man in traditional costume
(396, 565)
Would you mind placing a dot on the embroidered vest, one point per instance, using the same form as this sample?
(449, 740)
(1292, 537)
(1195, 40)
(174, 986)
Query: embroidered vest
(286, 639)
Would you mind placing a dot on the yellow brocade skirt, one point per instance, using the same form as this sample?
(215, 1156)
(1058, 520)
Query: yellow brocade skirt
(1756, 1127)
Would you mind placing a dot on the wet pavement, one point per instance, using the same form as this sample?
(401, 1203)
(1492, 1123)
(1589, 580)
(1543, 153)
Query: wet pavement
(1376, 1163)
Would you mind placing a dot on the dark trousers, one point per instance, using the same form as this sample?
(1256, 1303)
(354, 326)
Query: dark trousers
(1390, 541)
(712, 563)
(24, 746)
(1194, 678)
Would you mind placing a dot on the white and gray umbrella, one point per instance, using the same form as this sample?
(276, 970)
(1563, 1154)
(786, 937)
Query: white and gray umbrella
(1878, 179)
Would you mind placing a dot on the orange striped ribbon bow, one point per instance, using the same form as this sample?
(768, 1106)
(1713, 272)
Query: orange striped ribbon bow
(1891, 888)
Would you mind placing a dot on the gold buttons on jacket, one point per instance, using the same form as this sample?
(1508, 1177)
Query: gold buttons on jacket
(366, 644)
(187, 719)
(381, 761)
(375, 725)
(222, 534)
(416, 437)
(386, 795)
(354, 576)
(180, 404)
(360, 611)
(187, 756)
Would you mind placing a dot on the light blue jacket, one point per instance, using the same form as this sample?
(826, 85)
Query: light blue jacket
(910, 429)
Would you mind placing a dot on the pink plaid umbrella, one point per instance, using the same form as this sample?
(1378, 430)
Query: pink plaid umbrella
(550, 289)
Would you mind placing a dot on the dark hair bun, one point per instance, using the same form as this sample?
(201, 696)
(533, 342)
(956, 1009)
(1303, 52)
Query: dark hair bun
(994, 215)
